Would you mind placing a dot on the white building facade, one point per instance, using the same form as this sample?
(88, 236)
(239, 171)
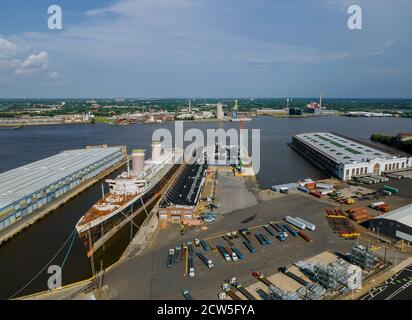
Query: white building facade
(346, 158)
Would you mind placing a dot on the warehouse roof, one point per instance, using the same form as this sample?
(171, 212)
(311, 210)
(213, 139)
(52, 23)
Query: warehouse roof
(402, 215)
(25, 180)
(186, 188)
(341, 149)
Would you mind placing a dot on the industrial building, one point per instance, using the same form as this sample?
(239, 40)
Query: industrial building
(396, 224)
(295, 112)
(180, 202)
(344, 158)
(219, 111)
(25, 189)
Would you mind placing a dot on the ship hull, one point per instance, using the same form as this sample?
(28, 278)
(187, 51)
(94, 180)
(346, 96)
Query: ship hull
(97, 236)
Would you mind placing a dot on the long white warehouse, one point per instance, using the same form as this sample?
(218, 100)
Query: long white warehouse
(344, 158)
(25, 189)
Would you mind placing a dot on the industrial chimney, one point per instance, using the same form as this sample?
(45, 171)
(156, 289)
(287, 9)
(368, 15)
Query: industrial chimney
(138, 161)
(156, 150)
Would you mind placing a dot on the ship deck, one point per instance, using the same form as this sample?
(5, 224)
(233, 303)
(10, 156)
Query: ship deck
(116, 201)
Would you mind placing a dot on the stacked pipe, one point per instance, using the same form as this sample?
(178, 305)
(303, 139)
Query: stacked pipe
(359, 214)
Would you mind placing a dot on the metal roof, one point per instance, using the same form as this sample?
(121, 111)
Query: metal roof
(402, 215)
(342, 150)
(25, 180)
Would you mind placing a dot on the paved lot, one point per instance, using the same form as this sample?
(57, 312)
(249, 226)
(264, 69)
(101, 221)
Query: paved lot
(398, 287)
(146, 276)
(232, 193)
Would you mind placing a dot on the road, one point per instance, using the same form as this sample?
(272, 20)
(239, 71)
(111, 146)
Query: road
(398, 287)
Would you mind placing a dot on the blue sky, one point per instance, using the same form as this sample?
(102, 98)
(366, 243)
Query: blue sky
(205, 48)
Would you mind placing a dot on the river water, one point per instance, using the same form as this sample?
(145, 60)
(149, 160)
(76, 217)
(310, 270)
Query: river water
(25, 255)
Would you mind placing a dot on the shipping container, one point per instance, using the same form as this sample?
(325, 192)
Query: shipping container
(295, 222)
(391, 189)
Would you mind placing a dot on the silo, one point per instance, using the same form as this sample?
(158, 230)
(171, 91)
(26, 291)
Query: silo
(156, 150)
(138, 161)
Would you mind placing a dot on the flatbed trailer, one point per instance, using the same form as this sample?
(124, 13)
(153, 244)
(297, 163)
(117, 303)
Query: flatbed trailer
(249, 246)
(304, 236)
(274, 226)
(244, 291)
(281, 227)
(293, 276)
(223, 252)
(205, 245)
(171, 258)
(246, 234)
(262, 278)
(238, 253)
(186, 294)
(292, 231)
(270, 230)
(263, 294)
(260, 239)
(190, 249)
(178, 253)
(266, 239)
(233, 295)
(191, 267)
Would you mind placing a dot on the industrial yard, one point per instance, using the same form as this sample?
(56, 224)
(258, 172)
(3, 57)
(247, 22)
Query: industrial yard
(200, 269)
(206, 283)
(214, 234)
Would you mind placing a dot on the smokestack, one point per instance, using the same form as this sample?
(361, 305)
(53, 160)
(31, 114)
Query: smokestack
(320, 101)
(138, 161)
(156, 150)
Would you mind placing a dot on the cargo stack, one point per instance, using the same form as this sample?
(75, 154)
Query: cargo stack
(359, 214)
(380, 206)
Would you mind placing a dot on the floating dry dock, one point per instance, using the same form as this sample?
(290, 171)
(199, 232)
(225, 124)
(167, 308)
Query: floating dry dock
(29, 192)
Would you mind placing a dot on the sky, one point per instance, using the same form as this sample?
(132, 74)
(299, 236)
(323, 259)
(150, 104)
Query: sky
(205, 48)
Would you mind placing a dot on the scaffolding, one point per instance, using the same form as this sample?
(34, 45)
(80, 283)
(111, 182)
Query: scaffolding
(312, 291)
(332, 277)
(361, 256)
(278, 294)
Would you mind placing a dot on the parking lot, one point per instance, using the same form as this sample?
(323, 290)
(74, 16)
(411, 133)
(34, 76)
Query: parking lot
(147, 276)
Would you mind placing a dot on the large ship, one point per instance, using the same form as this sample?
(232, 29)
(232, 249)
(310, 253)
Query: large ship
(130, 194)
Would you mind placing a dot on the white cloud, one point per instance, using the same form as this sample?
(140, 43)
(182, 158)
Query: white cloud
(33, 63)
(7, 49)
(10, 60)
(8, 52)
(53, 75)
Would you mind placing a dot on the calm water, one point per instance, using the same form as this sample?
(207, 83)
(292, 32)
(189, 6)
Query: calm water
(26, 255)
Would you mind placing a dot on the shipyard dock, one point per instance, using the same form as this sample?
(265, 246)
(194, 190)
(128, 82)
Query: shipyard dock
(143, 272)
(30, 192)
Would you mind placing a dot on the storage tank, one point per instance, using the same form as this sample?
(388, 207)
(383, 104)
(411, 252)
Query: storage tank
(138, 161)
(156, 150)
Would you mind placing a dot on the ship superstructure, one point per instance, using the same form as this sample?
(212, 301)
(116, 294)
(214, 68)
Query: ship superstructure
(128, 195)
